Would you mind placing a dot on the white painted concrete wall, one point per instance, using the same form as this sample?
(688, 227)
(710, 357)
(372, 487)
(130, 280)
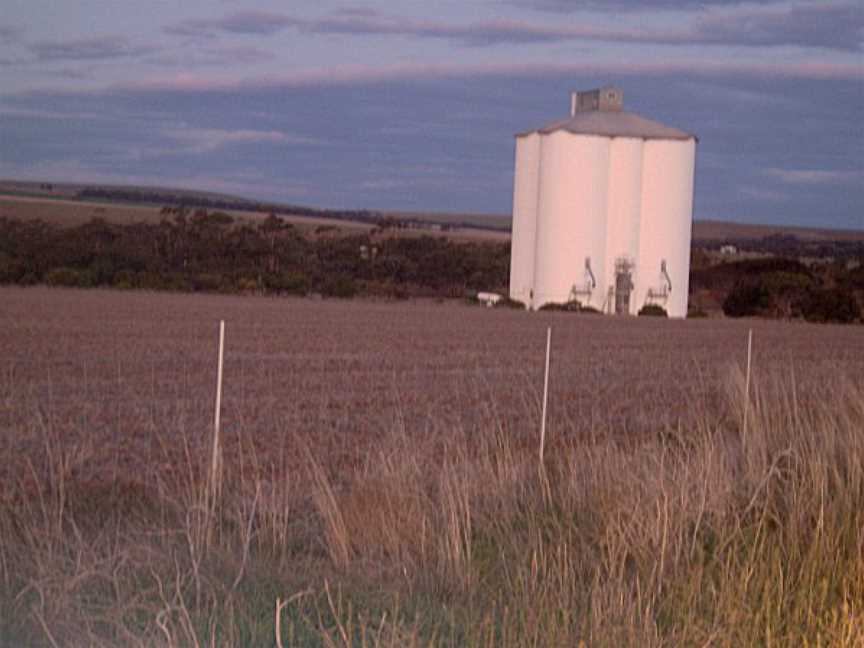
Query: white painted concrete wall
(571, 217)
(667, 209)
(586, 196)
(523, 240)
(625, 206)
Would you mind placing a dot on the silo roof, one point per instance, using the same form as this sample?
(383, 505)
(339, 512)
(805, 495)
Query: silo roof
(612, 123)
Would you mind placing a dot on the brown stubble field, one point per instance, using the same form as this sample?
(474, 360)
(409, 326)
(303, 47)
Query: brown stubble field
(114, 367)
(380, 474)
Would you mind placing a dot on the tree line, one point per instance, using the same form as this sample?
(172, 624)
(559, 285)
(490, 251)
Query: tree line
(188, 201)
(784, 288)
(208, 251)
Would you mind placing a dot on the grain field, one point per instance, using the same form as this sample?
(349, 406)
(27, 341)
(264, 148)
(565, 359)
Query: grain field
(379, 483)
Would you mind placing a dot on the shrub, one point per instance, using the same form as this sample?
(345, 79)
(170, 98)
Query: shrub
(247, 284)
(292, 283)
(573, 306)
(206, 282)
(506, 302)
(220, 218)
(652, 310)
(830, 305)
(176, 282)
(725, 276)
(68, 277)
(385, 289)
(124, 280)
(782, 283)
(11, 269)
(853, 278)
(340, 286)
(747, 298)
(157, 281)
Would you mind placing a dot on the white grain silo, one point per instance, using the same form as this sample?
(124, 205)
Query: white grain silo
(602, 210)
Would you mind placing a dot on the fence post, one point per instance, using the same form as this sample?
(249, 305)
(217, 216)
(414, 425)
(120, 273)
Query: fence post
(747, 384)
(545, 394)
(216, 459)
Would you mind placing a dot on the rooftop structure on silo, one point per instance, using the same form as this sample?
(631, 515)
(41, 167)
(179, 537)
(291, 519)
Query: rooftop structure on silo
(607, 99)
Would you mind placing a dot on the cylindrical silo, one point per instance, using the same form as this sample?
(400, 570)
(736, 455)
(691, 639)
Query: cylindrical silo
(571, 219)
(602, 210)
(622, 233)
(523, 242)
(663, 269)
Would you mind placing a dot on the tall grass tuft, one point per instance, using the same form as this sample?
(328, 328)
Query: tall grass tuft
(698, 535)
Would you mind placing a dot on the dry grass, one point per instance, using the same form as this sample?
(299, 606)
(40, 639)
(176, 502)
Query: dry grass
(381, 484)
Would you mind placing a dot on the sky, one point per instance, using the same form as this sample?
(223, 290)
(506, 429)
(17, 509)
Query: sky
(413, 105)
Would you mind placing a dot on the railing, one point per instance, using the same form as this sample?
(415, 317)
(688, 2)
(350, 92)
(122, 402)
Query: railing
(590, 283)
(663, 292)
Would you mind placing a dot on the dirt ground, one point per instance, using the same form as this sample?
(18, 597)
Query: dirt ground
(132, 371)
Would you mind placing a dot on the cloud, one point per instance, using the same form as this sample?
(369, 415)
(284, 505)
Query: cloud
(367, 22)
(237, 55)
(838, 26)
(47, 113)
(827, 26)
(207, 140)
(361, 74)
(357, 11)
(9, 34)
(241, 22)
(835, 26)
(567, 6)
(476, 34)
(221, 56)
(762, 194)
(815, 176)
(98, 48)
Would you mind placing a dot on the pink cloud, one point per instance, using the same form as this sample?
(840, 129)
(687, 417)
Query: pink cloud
(353, 74)
(815, 176)
(835, 26)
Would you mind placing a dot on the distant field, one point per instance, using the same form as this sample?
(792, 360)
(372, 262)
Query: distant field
(24, 199)
(74, 212)
(71, 190)
(704, 230)
(379, 482)
(68, 212)
(719, 230)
